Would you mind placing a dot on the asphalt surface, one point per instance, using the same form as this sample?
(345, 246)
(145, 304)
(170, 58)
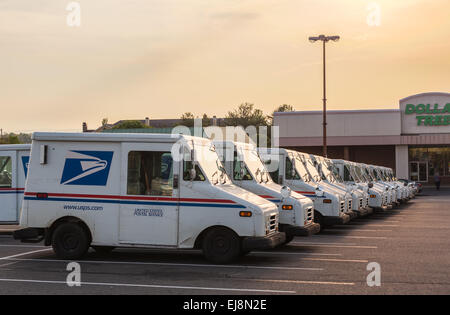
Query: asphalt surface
(411, 245)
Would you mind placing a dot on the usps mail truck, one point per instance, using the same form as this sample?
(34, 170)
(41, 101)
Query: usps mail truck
(13, 171)
(246, 170)
(140, 190)
(292, 171)
(351, 173)
(358, 197)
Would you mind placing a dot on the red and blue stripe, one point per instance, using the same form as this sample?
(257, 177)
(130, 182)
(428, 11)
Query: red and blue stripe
(135, 200)
(4, 191)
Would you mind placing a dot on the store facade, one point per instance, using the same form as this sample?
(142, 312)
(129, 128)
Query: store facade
(413, 139)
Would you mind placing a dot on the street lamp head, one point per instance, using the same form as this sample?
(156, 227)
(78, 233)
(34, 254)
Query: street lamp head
(313, 39)
(334, 38)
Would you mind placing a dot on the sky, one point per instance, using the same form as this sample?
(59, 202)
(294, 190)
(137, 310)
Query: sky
(160, 58)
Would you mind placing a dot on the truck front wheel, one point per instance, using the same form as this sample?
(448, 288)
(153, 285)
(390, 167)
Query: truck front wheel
(70, 241)
(221, 245)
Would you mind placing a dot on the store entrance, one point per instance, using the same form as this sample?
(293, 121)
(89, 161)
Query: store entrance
(418, 171)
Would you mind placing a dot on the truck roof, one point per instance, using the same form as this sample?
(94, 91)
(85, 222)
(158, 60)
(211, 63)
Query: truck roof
(15, 147)
(114, 137)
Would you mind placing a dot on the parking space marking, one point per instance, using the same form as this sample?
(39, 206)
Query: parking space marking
(165, 264)
(155, 286)
(359, 230)
(302, 282)
(291, 253)
(25, 246)
(366, 237)
(335, 246)
(24, 254)
(337, 260)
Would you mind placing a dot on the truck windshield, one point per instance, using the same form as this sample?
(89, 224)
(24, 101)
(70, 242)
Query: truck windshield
(254, 165)
(306, 170)
(312, 170)
(211, 165)
(334, 171)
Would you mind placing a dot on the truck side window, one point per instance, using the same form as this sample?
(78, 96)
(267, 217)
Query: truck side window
(150, 173)
(199, 177)
(288, 171)
(5, 172)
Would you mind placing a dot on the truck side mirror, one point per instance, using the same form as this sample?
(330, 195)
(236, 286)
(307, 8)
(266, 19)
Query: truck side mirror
(370, 185)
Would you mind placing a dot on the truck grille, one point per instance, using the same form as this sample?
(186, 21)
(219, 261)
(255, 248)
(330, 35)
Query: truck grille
(350, 203)
(367, 202)
(342, 206)
(272, 224)
(361, 204)
(309, 215)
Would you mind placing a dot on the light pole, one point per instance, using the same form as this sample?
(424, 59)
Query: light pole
(324, 40)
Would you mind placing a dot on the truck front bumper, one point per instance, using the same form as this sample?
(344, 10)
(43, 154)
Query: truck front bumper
(343, 219)
(292, 230)
(263, 242)
(362, 212)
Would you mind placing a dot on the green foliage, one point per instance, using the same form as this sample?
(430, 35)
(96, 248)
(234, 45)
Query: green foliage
(12, 138)
(246, 115)
(284, 108)
(130, 124)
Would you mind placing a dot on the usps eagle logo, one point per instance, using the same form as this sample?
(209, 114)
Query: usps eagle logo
(87, 168)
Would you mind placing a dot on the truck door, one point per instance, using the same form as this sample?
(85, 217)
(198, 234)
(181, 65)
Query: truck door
(149, 202)
(23, 159)
(8, 186)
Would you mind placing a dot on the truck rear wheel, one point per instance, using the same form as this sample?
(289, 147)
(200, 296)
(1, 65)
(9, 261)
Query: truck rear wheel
(70, 241)
(221, 245)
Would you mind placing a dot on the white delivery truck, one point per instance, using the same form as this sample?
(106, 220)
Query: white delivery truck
(352, 173)
(290, 170)
(368, 172)
(244, 166)
(391, 188)
(139, 190)
(357, 197)
(13, 171)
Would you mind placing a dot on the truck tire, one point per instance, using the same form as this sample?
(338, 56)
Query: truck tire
(289, 239)
(70, 241)
(319, 220)
(221, 245)
(103, 249)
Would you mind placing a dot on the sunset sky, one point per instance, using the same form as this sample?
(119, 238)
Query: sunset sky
(160, 58)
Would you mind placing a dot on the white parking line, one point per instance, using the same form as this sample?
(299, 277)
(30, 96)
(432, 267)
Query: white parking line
(24, 254)
(166, 264)
(335, 246)
(366, 237)
(359, 230)
(132, 285)
(291, 253)
(25, 246)
(337, 260)
(302, 282)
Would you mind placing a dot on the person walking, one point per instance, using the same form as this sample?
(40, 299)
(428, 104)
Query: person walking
(437, 181)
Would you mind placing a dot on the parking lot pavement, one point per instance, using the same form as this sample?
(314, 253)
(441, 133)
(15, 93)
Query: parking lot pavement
(409, 243)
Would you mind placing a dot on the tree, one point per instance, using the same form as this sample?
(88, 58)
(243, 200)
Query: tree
(104, 122)
(187, 119)
(281, 109)
(284, 108)
(131, 124)
(246, 115)
(10, 138)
